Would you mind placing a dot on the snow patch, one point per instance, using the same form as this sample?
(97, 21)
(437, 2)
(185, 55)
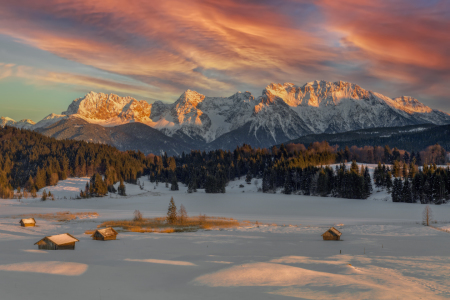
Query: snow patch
(48, 267)
(162, 261)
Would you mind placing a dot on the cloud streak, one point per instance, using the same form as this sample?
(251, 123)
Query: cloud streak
(41, 77)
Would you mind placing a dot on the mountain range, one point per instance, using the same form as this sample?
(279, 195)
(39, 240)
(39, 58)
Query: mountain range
(283, 112)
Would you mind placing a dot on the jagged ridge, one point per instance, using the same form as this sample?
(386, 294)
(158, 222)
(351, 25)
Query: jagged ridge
(283, 112)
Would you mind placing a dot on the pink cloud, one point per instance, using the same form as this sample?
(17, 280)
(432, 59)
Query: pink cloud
(215, 46)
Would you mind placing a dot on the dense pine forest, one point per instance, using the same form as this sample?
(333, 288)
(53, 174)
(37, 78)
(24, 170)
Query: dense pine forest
(411, 184)
(30, 161)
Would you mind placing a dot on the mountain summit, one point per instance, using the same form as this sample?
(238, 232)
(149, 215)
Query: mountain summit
(109, 109)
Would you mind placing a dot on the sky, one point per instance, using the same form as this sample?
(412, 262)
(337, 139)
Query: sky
(54, 51)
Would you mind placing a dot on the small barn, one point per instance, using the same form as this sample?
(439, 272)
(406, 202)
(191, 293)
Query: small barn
(332, 234)
(63, 241)
(30, 222)
(105, 234)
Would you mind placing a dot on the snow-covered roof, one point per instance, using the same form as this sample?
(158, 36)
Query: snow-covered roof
(28, 221)
(107, 232)
(334, 231)
(61, 239)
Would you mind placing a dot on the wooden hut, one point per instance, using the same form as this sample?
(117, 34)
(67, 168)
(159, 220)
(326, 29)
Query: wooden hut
(105, 234)
(63, 241)
(30, 222)
(332, 234)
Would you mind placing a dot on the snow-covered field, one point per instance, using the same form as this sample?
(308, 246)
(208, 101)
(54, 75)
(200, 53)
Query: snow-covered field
(384, 254)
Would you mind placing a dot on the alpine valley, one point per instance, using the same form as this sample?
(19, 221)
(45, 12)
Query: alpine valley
(283, 112)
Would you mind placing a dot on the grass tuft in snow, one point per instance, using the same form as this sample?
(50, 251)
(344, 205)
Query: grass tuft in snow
(62, 216)
(161, 225)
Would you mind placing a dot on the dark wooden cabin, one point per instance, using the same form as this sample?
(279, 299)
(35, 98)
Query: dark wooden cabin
(105, 234)
(63, 241)
(332, 234)
(30, 222)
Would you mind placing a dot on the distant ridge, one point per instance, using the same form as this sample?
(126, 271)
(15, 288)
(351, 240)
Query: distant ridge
(410, 138)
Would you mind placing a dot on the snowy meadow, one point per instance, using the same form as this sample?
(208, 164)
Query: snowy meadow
(384, 253)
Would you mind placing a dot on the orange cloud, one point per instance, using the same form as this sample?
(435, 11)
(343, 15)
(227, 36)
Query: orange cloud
(174, 44)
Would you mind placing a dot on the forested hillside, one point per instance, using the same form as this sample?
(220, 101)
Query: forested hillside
(31, 161)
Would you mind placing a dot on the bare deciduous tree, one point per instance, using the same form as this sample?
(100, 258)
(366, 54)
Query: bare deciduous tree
(137, 215)
(313, 184)
(182, 214)
(427, 216)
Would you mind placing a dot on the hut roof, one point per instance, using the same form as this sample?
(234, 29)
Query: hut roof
(333, 231)
(106, 232)
(61, 239)
(28, 221)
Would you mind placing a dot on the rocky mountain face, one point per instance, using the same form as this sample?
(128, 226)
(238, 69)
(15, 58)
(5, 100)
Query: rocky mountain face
(283, 112)
(286, 111)
(110, 109)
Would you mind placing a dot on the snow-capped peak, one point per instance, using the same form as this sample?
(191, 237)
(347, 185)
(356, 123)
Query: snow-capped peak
(7, 121)
(109, 109)
(189, 98)
(316, 93)
(25, 123)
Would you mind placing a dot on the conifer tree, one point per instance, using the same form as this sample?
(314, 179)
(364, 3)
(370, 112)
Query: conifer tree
(396, 190)
(354, 167)
(427, 195)
(87, 191)
(367, 183)
(30, 184)
(418, 159)
(210, 184)
(266, 181)
(171, 212)
(388, 181)
(396, 170)
(322, 183)
(377, 175)
(122, 189)
(406, 191)
(405, 171)
(39, 180)
(287, 183)
(248, 178)
(44, 195)
(174, 186)
(97, 186)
